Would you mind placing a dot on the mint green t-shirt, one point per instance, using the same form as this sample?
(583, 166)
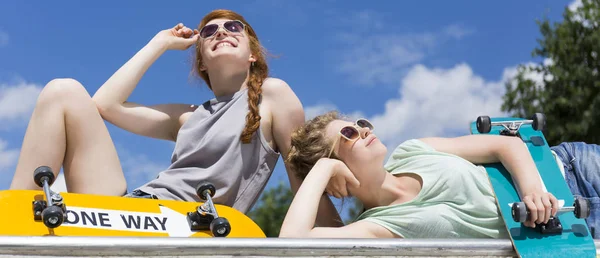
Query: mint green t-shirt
(456, 200)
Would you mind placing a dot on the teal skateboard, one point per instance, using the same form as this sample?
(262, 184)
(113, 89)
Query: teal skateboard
(565, 235)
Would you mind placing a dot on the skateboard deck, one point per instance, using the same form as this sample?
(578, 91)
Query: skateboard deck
(575, 239)
(96, 215)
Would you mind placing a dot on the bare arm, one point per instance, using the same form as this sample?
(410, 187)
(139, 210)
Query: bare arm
(514, 156)
(300, 218)
(288, 114)
(481, 149)
(160, 121)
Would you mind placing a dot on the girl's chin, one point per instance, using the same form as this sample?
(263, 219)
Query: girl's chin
(226, 58)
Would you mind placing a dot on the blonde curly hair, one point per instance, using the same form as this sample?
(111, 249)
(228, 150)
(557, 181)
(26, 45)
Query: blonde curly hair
(309, 144)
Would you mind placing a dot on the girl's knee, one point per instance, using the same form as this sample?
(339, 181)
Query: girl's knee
(63, 90)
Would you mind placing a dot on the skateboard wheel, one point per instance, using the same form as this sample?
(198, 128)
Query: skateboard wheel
(220, 227)
(484, 124)
(539, 121)
(203, 187)
(53, 216)
(519, 212)
(40, 173)
(582, 208)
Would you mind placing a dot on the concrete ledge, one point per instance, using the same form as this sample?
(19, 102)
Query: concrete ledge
(11, 246)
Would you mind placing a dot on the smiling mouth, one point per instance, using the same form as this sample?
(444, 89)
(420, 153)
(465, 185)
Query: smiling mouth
(223, 44)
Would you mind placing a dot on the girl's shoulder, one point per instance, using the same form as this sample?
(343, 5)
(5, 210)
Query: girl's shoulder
(274, 85)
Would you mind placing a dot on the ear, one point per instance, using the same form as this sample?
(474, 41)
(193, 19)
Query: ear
(203, 68)
(252, 59)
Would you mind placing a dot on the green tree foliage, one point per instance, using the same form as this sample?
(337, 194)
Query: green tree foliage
(270, 211)
(568, 95)
(355, 209)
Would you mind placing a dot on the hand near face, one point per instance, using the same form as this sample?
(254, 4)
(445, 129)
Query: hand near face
(179, 37)
(341, 178)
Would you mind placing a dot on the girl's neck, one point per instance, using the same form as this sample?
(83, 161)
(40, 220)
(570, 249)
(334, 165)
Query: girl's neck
(224, 82)
(392, 190)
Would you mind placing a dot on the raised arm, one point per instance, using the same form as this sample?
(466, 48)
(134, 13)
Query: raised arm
(514, 156)
(160, 121)
(288, 115)
(300, 218)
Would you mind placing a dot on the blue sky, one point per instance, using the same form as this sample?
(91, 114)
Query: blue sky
(419, 68)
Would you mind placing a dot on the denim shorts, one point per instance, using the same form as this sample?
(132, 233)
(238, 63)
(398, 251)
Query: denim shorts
(581, 163)
(140, 194)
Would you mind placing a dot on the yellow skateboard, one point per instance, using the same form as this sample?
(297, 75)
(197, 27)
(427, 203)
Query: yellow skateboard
(29, 213)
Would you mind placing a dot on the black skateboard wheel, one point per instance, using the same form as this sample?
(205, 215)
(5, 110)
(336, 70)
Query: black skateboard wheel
(53, 216)
(484, 124)
(539, 121)
(519, 212)
(220, 227)
(43, 172)
(582, 208)
(203, 188)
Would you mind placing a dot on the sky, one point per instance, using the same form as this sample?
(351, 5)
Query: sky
(414, 68)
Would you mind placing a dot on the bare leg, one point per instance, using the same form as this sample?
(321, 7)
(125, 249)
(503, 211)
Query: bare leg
(66, 130)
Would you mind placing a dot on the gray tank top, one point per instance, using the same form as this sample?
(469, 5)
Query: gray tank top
(209, 148)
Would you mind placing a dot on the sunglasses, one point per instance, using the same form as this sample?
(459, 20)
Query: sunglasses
(351, 133)
(231, 26)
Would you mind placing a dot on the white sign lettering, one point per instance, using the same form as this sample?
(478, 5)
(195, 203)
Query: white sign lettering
(167, 221)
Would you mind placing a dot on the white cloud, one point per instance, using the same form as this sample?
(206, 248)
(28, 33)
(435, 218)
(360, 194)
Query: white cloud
(319, 109)
(438, 102)
(16, 104)
(575, 4)
(8, 157)
(17, 100)
(382, 61)
(548, 62)
(372, 52)
(435, 102)
(457, 31)
(139, 168)
(4, 38)
(530, 74)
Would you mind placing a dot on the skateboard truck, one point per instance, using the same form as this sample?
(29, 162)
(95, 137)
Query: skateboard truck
(51, 211)
(581, 209)
(511, 128)
(205, 216)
